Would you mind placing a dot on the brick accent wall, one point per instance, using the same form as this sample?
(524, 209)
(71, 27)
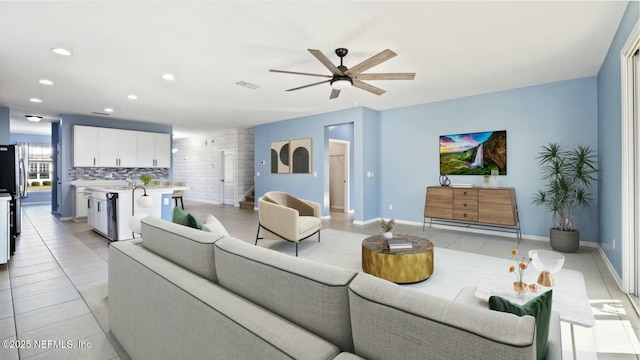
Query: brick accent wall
(198, 163)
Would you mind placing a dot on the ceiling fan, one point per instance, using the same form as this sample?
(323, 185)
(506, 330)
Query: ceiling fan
(343, 77)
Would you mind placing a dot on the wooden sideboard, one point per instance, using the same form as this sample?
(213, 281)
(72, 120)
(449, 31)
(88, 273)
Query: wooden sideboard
(482, 207)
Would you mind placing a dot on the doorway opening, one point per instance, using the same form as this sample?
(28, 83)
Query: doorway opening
(339, 175)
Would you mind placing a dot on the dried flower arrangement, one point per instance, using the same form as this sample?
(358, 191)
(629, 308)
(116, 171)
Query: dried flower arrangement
(387, 226)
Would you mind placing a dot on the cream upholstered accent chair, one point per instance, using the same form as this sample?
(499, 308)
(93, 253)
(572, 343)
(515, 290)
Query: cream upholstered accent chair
(284, 216)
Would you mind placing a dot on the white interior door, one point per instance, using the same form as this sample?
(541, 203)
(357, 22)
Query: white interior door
(227, 178)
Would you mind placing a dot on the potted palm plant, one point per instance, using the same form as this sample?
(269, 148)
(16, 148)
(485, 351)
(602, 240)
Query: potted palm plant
(569, 174)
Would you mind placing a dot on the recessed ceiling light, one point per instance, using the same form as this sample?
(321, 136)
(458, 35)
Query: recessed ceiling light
(46, 82)
(132, 97)
(168, 77)
(62, 51)
(108, 110)
(36, 100)
(34, 118)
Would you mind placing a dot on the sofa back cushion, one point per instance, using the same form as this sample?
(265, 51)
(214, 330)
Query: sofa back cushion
(185, 246)
(310, 294)
(392, 322)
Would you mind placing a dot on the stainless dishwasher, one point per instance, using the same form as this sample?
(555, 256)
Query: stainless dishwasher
(112, 216)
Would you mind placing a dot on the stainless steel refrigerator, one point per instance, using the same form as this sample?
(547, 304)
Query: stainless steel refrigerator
(13, 180)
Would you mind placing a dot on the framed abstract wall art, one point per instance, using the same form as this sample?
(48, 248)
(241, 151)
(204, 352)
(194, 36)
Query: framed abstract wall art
(291, 156)
(473, 153)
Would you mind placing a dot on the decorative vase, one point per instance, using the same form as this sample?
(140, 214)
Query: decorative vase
(387, 235)
(493, 181)
(564, 241)
(519, 287)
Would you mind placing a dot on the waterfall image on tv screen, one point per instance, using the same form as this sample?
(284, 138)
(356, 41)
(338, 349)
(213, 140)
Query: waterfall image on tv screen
(473, 154)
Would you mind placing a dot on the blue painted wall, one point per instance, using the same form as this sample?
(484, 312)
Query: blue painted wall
(167, 207)
(609, 141)
(30, 138)
(372, 149)
(396, 151)
(309, 186)
(562, 112)
(66, 140)
(55, 143)
(5, 125)
(34, 197)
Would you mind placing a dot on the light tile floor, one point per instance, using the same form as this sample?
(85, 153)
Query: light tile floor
(46, 289)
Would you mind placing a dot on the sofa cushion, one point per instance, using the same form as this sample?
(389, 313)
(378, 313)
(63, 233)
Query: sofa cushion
(212, 224)
(187, 247)
(186, 219)
(159, 310)
(384, 313)
(538, 307)
(310, 294)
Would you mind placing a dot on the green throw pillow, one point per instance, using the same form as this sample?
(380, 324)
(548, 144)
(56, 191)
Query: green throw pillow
(538, 307)
(184, 218)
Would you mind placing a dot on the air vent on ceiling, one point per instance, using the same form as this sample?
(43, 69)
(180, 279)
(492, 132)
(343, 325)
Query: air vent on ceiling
(247, 85)
(99, 113)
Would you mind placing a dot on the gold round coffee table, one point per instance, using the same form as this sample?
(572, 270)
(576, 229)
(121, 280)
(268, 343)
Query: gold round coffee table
(400, 266)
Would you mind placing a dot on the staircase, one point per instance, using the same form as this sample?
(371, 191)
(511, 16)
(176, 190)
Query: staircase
(248, 201)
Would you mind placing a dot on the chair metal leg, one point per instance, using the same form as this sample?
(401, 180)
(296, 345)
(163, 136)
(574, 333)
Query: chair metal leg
(296, 249)
(181, 203)
(257, 233)
(318, 235)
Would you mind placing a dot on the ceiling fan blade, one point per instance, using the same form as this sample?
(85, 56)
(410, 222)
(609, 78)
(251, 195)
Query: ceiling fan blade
(367, 87)
(334, 94)
(325, 61)
(299, 73)
(371, 62)
(386, 76)
(306, 86)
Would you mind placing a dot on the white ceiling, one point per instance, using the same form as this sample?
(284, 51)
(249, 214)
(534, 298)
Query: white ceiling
(456, 49)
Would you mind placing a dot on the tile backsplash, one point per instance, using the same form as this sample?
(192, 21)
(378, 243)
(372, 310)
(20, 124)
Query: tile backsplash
(116, 173)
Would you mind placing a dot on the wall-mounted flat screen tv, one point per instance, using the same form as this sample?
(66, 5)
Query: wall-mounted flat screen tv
(474, 154)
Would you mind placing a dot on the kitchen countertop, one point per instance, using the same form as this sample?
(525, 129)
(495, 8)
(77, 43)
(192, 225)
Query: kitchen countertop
(125, 188)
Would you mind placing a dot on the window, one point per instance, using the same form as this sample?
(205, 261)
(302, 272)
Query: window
(40, 157)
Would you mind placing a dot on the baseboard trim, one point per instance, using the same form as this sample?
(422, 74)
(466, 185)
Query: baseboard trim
(365, 222)
(609, 266)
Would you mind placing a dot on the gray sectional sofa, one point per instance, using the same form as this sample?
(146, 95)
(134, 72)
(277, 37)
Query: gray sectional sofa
(180, 293)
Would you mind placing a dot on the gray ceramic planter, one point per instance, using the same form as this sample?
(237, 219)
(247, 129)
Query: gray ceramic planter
(565, 241)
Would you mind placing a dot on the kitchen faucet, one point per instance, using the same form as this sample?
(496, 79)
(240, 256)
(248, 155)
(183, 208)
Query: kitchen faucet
(131, 182)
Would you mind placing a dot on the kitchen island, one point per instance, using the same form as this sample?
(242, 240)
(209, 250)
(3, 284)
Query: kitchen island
(110, 207)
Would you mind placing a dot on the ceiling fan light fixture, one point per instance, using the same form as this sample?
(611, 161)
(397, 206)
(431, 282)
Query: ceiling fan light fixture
(341, 83)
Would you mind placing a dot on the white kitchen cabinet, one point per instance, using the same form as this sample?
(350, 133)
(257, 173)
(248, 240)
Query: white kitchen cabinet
(85, 149)
(154, 150)
(162, 148)
(80, 202)
(97, 216)
(106, 147)
(116, 148)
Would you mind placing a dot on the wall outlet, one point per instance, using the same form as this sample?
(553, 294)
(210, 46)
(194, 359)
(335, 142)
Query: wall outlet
(390, 206)
(315, 174)
(258, 173)
(166, 201)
